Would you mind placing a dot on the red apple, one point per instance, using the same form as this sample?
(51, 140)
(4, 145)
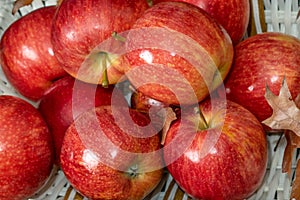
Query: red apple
(177, 53)
(263, 59)
(26, 156)
(66, 99)
(109, 155)
(233, 15)
(82, 25)
(27, 57)
(226, 157)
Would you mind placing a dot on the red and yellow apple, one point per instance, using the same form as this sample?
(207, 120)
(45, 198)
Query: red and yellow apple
(80, 26)
(108, 155)
(261, 60)
(26, 53)
(26, 149)
(233, 15)
(176, 53)
(226, 157)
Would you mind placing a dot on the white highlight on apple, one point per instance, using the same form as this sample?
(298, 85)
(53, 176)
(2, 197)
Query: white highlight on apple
(147, 56)
(90, 159)
(193, 156)
(250, 88)
(274, 79)
(50, 51)
(29, 53)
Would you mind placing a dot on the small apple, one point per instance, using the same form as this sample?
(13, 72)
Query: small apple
(176, 53)
(233, 15)
(227, 155)
(261, 60)
(26, 53)
(82, 25)
(66, 99)
(108, 155)
(26, 156)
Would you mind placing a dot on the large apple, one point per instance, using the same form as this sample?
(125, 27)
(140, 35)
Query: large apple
(26, 156)
(227, 155)
(66, 99)
(108, 155)
(233, 15)
(177, 53)
(261, 60)
(27, 57)
(80, 26)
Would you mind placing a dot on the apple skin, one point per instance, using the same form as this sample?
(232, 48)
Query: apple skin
(233, 15)
(263, 59)
(26, 53)
(26, 157)
(174, 52)
(81, 25)
(86, 165)
(63, 102)
(231, 168)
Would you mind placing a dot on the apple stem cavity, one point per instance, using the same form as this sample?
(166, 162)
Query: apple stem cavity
(117, 37)
(133, 171)
(203, 124)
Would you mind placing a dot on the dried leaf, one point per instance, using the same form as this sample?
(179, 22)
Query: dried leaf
(296, 184)
(170, 116)
(286, 115)
(293, 142)
(19, 4)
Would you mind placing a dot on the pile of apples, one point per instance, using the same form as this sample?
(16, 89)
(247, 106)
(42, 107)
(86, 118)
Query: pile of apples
(125, 90)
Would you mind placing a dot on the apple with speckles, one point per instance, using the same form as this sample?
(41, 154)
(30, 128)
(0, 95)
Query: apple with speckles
(26, 53)
(81, 26)
(177, 54)
(107, 154)
(66, 99)
(233, 15)
(227, 157)
(261, 60)
(26, 156)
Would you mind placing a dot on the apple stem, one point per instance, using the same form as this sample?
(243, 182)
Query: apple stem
(198, 111)
(117, 37)
(105, 82)
(133, 171)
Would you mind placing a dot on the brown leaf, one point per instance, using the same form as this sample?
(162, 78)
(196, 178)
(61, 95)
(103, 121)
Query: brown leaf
(296, 184)
(293, 142)
(286, 115)
(19, 4)
(169, 117)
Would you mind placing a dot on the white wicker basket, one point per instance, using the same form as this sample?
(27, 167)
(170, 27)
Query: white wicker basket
(278, 15)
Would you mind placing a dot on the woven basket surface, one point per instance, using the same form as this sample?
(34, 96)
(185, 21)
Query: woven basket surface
(268, 15)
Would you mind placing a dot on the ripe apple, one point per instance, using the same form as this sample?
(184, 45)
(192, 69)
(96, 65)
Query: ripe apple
(227, 155)
(177, 53)
(26, 53)
(80, 26)
(233, 15)
(26, 156)
(260, 60)
(108, 155)
(66, 99)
